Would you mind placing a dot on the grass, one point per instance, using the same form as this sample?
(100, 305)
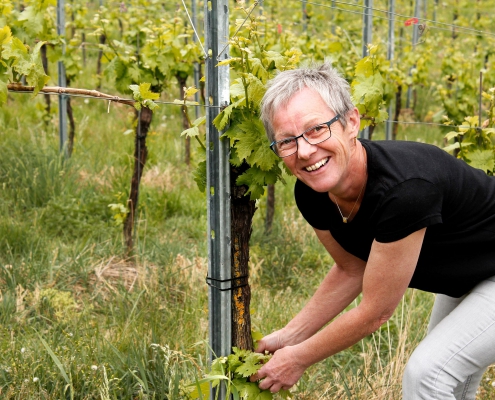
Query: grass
(80, 321)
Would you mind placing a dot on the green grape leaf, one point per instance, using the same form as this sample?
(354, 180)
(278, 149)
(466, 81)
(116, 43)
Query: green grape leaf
(237, 89)
(248, 368)
(255, 89)
(276, 58)
(257, 336)
(255, 190)
(234, 361)
(14, 49)
(32, 20)
(451, 147)
(186, 102)
(234, 158)
(265, 395)
(222, 119)
(249, 390)
(204, 389)
(382, 116)
(194, 131)
(218, 366)
(452, 135)
(369, 92)
(36, 76)
(335, 47)
(144, 96)
(251, 143)
(481, 159)
(3, 92)
(364, 68)
(5, 35)
(258, 70)
(199, 121)
(146, 93)
(255, 179)
(200, 176)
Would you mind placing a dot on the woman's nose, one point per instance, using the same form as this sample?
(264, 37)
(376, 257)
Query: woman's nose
(304, 149)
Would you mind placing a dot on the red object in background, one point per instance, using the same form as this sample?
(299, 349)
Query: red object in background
(279, 28)
(411, 21)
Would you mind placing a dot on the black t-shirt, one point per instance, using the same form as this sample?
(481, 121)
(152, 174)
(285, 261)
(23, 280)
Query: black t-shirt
(413, 186)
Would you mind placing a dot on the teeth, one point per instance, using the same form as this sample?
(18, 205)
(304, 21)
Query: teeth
(318, 165)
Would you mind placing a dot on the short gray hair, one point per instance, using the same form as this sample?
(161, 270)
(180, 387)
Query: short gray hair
(322, 78)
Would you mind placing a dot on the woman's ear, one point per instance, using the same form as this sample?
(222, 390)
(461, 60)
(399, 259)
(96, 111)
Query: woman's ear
(353, 123)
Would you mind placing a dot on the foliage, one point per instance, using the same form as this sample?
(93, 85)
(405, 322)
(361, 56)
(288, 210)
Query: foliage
(475, 143)
(18, 60)
(369, 89)
(142, 46)
(144, 96)
(234, 370)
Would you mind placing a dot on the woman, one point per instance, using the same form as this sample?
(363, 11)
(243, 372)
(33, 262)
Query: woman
(392, 215)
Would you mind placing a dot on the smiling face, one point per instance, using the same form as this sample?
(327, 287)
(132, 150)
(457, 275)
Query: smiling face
(324, 167)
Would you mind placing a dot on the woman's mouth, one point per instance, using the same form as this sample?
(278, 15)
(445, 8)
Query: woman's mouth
(316, 166)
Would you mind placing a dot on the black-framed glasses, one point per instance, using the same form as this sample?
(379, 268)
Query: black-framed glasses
(317, 134)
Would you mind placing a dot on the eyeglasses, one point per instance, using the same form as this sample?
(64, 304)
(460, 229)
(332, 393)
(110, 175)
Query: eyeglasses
(317, 134)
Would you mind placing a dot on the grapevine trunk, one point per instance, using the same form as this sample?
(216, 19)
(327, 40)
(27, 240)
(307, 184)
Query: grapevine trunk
(144, 116)
(242, 212)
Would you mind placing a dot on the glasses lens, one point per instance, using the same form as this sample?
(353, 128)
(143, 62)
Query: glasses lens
(285, 147)
(317, 134)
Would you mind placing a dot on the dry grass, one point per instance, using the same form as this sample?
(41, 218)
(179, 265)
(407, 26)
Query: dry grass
(112, 274)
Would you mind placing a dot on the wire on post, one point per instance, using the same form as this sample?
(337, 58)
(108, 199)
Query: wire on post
(208, 279)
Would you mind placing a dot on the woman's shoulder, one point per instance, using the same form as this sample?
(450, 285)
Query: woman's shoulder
(403, 160)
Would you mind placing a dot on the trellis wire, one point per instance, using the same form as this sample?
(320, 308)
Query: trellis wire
(406, 17)
(219, 107)
(447, 26)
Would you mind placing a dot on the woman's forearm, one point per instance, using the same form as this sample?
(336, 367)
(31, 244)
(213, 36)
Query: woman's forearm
(335, 293)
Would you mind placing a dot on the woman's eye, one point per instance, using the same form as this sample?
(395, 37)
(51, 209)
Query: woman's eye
(287, 142)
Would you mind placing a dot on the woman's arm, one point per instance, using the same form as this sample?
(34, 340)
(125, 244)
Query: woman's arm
(339, 288)
(386, 278)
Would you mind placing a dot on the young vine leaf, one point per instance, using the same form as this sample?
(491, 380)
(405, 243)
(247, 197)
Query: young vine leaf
(234, 370)
(144, 96)
(17, 60)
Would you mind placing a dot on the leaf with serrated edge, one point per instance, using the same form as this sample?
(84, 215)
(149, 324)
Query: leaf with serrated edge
(452, 134)
(265, 395)
(3, 92)
(146, 93)
(5, 35)
(481, 159)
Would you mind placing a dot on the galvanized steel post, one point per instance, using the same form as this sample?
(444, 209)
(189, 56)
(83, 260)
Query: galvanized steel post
(62, 82)
(417, 15)
(304, 15)
(367, 39)
(197, 67)
(390, 56)
(218, 181)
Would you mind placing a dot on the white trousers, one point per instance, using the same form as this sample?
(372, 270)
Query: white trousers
(449, 363)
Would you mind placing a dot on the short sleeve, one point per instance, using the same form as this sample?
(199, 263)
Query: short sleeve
(408, 207)
(311, 204)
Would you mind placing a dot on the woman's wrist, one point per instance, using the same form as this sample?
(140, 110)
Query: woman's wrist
(292, 336)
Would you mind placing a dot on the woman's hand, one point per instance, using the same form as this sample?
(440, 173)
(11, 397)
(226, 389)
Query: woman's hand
(271, 342)
(281, 372)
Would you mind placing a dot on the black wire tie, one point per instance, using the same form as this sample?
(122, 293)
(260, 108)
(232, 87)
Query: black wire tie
(208, 279)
